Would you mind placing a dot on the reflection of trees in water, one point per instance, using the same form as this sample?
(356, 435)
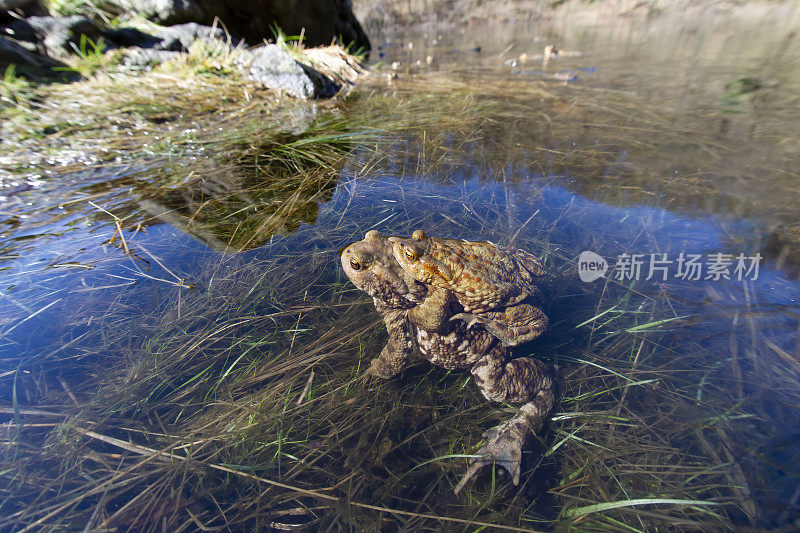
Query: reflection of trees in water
(233, 212)
(261, 183)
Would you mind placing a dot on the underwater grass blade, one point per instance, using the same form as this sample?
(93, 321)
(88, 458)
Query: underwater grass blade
(576, 512)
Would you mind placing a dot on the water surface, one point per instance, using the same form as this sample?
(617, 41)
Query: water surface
(658, 136)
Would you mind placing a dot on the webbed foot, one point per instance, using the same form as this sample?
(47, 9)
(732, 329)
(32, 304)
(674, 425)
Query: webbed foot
(504, 447)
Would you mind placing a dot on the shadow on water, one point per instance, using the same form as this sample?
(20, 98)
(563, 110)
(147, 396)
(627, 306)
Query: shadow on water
(202, 366)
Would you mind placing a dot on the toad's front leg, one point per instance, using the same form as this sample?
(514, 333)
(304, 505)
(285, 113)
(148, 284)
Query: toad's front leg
(520, 380)
(401, 349)
(433, 313)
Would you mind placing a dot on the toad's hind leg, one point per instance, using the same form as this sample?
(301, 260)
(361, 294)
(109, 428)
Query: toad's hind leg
(512, 325)
(523, 380)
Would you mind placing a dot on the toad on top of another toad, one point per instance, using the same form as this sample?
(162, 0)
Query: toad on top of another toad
(494, 285)
(457, 343)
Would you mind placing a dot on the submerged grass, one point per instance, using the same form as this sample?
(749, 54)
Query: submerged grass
(239, 403)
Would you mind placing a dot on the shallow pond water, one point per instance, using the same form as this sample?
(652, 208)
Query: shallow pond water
(667, 141)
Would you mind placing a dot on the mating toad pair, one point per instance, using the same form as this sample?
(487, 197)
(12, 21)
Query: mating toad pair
(459, 304)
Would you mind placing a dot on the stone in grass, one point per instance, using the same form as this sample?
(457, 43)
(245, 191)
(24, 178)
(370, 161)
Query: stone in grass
(31, 64)
(60, 36)
(180, 37)
(271, 67)
(57, 36)
(165, 12)
(146, 58)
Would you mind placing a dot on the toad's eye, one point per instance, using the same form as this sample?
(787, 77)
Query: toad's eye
(355, 265)
(410, 255)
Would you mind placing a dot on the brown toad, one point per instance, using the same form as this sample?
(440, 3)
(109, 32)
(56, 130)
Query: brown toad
(371, 267)
(457, 344)
(494, 285)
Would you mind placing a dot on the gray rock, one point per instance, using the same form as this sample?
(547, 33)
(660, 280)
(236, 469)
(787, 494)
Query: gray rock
(181, 36)
(57, 36)
(54, 36)
(30, 64)
(146, 58)
(165, 12)
(273, 68)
